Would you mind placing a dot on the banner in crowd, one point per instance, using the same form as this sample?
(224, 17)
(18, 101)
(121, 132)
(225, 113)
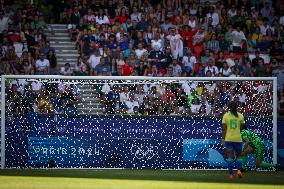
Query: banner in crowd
(122, 142)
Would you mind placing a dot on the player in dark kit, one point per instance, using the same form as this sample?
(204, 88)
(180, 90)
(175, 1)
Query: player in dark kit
(254, 144)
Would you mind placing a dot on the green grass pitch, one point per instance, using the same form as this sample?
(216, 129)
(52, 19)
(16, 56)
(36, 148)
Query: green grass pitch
(134, 179)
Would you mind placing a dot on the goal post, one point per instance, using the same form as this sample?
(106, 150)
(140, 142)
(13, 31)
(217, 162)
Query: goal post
(118, 80)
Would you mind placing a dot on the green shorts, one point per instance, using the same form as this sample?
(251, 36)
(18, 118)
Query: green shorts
(259, 150)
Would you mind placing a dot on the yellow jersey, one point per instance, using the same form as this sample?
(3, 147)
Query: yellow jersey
(233, 124)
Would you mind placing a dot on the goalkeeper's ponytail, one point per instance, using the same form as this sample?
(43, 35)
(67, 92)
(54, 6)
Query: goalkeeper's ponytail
(233, 108)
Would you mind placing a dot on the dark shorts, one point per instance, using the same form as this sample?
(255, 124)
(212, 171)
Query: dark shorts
(235, 146)
(259, 150)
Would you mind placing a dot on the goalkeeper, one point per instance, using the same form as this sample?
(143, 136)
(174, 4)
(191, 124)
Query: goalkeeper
(254, 144)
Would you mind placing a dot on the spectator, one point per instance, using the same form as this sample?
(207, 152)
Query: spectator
(168, 95)
(224, 18)
(247, 69)
(143, 23)
(225, 70)
(242, 98)
(122, 17)
(232, 11)
(29, 97)
(70, 100)
(192, 22)
(214, 15)
(5, 67)
(42, 65)
(206, 58)
(113, 100)
(94, 60)
(238, 36)
(276, 51)
(198, 39)
(220, 60)
(81, 67)
(125, 43)
(124, 96)
(90, 17)
(37, 24)
(118, 63)
(188, 63)
(88, 43)
(131, 103)
(75, 19)
(112, 44)
(187, 34)
(135, 15)
(66, 70)
(102, 69)
(139, 39)
(257, 36)
(4, 22)
(281, 20)
(14, 60)
(140, 51)
(46, 48)
(102, 18)
(264, 27)
(176, 68)
(28, 63)
(181, 100)
(132, 60)
(260, 69)
(13, 95)
(44, 104)
(51, 57)
(213, 44)
(235, 72)
(195, 107)
(136, 111)
(166, 25)
(266, 10)
(176, 44)
(223, 44)
(126, 69)
(128, 51)
(40, 37)
(229, 36)
(256, 59)
(151, 71)
(231, 59)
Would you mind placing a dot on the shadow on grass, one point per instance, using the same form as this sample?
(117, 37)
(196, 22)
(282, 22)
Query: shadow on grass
(267, 178)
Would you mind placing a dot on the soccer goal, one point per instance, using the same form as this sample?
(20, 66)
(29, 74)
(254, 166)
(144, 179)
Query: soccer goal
(129, 122)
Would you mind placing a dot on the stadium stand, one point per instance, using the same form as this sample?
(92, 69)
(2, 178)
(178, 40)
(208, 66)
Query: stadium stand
(147, 38)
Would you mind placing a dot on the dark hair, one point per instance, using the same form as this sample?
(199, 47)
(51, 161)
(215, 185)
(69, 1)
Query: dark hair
(233, 108)
(245, 127)
(4, 59)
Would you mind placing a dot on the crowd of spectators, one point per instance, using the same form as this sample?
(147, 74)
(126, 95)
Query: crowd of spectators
(188, 98)
(179, 38)
(24, 48)
(26, 96)
(170, 38)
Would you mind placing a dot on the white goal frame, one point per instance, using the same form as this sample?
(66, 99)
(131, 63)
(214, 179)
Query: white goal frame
(142, 78)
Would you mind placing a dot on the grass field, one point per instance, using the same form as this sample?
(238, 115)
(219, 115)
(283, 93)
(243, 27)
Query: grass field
(134, 179)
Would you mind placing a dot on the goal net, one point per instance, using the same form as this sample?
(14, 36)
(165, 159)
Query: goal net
(129, 122)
